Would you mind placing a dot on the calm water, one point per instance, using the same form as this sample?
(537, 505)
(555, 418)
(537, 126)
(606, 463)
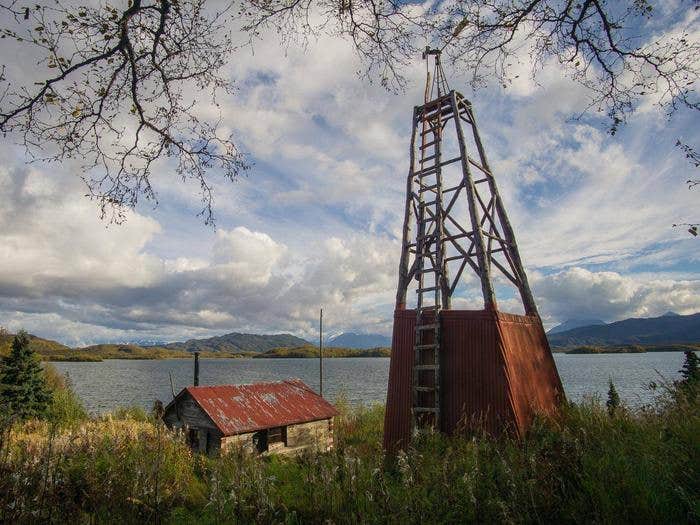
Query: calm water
(114, 383)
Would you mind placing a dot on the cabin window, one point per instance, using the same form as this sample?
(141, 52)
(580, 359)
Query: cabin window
(277, 435)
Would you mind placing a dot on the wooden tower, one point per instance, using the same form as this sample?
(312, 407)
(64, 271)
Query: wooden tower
(454, 368)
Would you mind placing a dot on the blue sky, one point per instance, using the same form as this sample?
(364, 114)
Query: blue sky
(316, 221)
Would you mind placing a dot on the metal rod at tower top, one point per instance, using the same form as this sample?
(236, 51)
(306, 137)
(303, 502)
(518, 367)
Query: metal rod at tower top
(320, 352)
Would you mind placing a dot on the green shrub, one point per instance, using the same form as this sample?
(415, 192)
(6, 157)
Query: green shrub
(583, 466)
(66, 408)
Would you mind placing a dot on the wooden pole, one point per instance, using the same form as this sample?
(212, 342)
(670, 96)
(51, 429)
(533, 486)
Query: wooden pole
(196, 369)
(404, 273)
(320, 352)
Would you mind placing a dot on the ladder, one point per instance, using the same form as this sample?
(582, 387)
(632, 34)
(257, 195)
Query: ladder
(430, 268)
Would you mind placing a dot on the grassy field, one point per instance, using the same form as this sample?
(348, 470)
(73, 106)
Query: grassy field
(584, 466)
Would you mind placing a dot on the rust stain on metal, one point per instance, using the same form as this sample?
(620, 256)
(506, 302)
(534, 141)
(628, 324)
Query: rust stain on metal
(497, 373)
(237, 409)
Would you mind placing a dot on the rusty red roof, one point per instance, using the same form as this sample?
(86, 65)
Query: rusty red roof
(237, 409)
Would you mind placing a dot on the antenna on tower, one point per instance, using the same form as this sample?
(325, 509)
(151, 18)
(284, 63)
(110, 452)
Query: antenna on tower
(438, 86)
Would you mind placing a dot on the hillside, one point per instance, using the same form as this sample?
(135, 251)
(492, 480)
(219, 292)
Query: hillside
(355, 340)
(49, 350)
(43, 347)
(676, 329)
(123, 351)
(629, 349)
(570, 324)
(236, 342)
(312, 351)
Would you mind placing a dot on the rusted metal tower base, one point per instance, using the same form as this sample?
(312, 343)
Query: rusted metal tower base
(497, 372)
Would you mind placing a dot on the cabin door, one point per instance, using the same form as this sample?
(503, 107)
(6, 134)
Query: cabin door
(193, 439)
(260, 441)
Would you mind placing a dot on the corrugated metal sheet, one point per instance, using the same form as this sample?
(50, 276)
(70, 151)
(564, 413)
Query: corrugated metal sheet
(397, 418)
(236, 409)
(497, 371)
(533, 378)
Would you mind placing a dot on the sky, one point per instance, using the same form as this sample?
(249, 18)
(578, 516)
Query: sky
(317, 220)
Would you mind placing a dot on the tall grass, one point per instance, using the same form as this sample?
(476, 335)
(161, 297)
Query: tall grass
(585, 465)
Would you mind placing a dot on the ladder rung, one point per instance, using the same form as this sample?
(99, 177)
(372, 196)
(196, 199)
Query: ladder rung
(426, 347)
(428, 144)
(428, 188)
(431, 112)
(426, 159)
(424, 388)
(433, 307)
(427, 171)
(426, 367)
(428, 289)
(427, 327)
(426, 270)
(481, 180)
(445, 112)
(453, 188)
(424, 204)
(425, 409)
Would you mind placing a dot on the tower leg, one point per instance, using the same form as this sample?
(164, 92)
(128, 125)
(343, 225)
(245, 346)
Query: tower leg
(404, 274)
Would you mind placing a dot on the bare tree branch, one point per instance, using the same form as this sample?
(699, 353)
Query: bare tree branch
(119, 100)
(603, 46)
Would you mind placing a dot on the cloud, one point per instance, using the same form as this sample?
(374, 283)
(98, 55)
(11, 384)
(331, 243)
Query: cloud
(52, 242)
(317, 222)
(577, 293)
(68, 276)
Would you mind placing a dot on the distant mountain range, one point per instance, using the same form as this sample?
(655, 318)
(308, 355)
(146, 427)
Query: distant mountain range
(669, 328)
(355, 340)
(235, 342)
(570, 324)
(666, 329)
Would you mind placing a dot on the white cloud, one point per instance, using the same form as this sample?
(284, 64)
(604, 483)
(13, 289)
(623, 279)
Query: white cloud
(317, 223)
(577, 293)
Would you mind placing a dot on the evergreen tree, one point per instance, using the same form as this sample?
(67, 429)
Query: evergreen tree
(23, 389)
(690, 374)
(613, 401)
(691, 368)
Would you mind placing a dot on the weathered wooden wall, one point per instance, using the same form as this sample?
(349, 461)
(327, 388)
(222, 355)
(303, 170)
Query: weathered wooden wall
(312, 435)
(186, 414)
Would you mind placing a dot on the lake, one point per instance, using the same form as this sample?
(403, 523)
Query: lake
(114, 383)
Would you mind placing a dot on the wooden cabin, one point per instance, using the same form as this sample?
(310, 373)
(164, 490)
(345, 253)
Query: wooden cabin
(283, 417)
